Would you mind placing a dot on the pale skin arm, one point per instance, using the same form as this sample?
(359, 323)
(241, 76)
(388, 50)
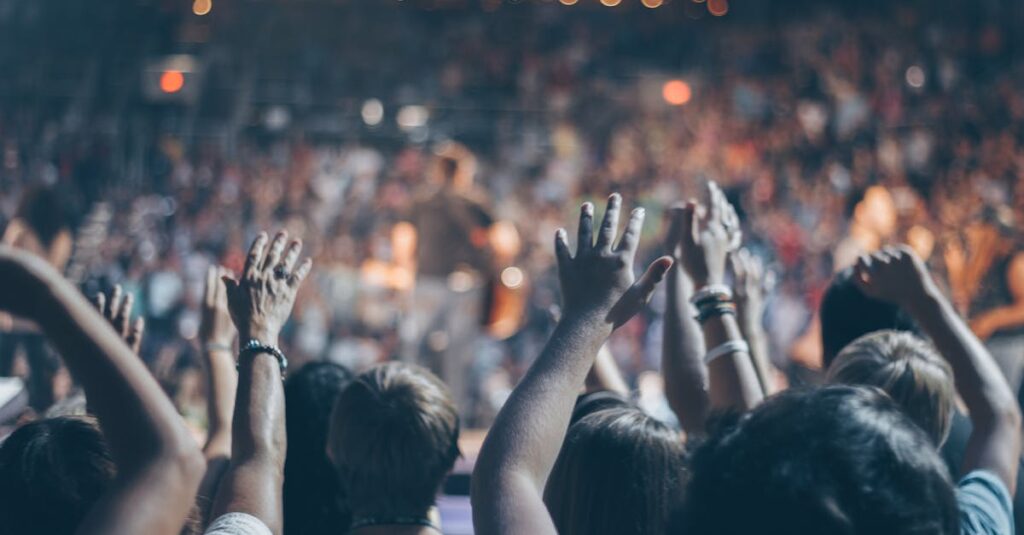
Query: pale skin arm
(600, 293)
(899, 276)
(159, 466)
(750, 284)
(217, 335)
(260, 303)
(682, 355)
(734, 383)
(605, 375)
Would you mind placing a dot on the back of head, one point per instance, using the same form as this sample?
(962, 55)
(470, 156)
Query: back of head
(838, 460)
(313, 502)
(393, 440)
(847, 314)
(620, 472)
(51, 473)
(909, 370)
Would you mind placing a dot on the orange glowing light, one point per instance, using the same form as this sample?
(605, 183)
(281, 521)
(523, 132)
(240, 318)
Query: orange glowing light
(718, 8)
(202, 7)
(611, 3)
(568, 2)
(676, 92)
(172, 81)
(652, 3)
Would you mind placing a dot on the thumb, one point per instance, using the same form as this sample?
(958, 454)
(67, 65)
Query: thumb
(655, 274)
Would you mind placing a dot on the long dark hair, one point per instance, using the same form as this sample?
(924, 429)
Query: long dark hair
(620, 472)
(42, 211)
(51, 473)
(314, 503)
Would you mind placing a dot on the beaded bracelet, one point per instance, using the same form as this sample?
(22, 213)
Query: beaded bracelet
(254, 347)
(715, 310)
(714, 292)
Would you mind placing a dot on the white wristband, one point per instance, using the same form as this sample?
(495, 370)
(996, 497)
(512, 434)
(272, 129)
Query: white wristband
(732, 346)
(712, 290)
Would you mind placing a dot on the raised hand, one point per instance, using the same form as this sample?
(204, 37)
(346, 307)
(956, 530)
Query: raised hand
(262, 300)
(751, 283)
(895, 275)
(708, 234)
(599, 281)
(117, 309)
(216, 330)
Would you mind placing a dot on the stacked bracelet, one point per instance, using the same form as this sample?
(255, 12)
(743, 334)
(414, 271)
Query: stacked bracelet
(732, 346)
(255, 347)
(712, 302)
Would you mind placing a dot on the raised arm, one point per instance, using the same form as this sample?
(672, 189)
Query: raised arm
(897, 275)
(599, 293)
(217, 339)
(158, 464)
(682, 352)
(260, 303)
(750, 284)
(706, 244)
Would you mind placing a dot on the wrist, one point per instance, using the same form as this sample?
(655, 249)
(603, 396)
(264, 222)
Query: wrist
(592, 322)
(261, 334)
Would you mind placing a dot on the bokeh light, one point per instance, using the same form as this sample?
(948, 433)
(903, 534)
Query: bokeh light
(372, 112)
(172, 81)
(202, 7)
(718, 8)
(568, 2)
(915, 76)
(652, 3)
(611, 3)
(676, 92)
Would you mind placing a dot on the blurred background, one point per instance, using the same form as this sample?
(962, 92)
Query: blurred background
(158, 136)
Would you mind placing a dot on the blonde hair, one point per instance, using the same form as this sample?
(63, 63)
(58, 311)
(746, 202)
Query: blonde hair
(909, 370)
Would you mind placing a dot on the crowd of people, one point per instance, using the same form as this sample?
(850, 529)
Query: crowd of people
(837, 346)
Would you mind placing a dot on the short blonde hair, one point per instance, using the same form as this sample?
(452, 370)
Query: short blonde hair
(909, 370)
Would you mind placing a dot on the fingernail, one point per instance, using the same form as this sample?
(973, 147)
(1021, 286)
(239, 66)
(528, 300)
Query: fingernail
(639, 212)
(588, 208)
(560, 234)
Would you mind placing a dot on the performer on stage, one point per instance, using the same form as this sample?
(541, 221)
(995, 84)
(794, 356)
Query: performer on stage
(38, 227)
(456, 246)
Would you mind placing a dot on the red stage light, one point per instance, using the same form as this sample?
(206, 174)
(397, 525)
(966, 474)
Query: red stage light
(172, 81)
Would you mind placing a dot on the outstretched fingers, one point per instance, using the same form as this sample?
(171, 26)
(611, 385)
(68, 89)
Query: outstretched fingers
(254, 259)
(585, 236)
(631, 236)
(275, 250)
(610, 224)
(562, 253)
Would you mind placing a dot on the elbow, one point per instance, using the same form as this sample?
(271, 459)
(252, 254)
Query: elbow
(185, 460)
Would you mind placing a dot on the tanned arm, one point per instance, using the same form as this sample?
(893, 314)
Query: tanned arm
(897, 275)
(158, 464)
(260, 304)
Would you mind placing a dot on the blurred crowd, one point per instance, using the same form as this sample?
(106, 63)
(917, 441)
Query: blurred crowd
(833, 135)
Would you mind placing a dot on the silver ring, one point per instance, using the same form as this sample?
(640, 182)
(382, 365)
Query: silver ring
(280, 272)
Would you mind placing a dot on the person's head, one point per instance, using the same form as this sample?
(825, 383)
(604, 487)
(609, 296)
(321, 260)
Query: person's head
(43, 211)
(847, 314)
(51, 473)
(393, 440)
(313, 501)
(909, 370)
(839, 459)
(620, 471)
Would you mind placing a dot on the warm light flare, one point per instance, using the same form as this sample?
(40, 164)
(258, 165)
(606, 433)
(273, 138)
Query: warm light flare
(676, 92)
(172, 81)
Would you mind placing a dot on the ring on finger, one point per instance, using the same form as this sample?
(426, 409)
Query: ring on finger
(280, 272)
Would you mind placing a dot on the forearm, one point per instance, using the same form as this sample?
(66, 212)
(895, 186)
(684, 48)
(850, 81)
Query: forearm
(529, 430)
(138, 420)
(605, 374)
(753, 333)
(995, 440)
(1002, 318)
(734, 382)
(682, 356)
(254, 479)
(222, 383)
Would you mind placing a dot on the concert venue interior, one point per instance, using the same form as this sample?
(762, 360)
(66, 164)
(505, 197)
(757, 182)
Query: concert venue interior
(427, 151)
